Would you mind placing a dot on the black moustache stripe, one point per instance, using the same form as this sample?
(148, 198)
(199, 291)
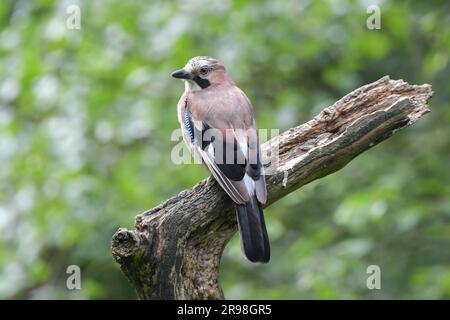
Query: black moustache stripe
(203, 83)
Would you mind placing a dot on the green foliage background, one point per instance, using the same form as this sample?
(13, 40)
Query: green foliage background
(86, 117)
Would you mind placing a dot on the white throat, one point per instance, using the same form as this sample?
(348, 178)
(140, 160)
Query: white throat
(190, 85)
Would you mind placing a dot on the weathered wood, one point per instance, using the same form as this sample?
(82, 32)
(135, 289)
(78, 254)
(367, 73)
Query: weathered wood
(175, 250)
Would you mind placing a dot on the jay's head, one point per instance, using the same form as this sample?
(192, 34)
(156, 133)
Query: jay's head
(201, 72)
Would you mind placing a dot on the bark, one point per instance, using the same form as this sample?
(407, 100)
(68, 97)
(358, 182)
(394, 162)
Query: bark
(175, 249)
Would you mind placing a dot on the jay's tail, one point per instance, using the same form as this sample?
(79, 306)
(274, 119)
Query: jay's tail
(252, 228)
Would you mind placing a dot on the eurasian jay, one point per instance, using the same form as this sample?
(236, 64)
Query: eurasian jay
(218, 125)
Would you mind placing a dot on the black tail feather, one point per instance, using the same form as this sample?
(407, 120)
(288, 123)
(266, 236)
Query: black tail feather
(252, 228)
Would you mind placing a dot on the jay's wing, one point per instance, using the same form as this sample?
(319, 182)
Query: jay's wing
(222, 130)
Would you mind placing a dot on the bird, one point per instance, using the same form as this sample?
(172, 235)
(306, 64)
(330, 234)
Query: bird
(218, 124)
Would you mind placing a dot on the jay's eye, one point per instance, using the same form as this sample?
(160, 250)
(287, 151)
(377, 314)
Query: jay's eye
(204, 70)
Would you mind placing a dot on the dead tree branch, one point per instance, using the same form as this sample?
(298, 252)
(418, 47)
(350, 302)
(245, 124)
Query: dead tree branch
(175, 250)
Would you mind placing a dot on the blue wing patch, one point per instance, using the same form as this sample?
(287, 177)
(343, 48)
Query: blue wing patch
(189, 126)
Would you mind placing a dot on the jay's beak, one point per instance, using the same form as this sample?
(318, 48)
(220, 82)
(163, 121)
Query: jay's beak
(181, 74)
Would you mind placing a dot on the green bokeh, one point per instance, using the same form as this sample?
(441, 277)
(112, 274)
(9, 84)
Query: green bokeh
(86, 118)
